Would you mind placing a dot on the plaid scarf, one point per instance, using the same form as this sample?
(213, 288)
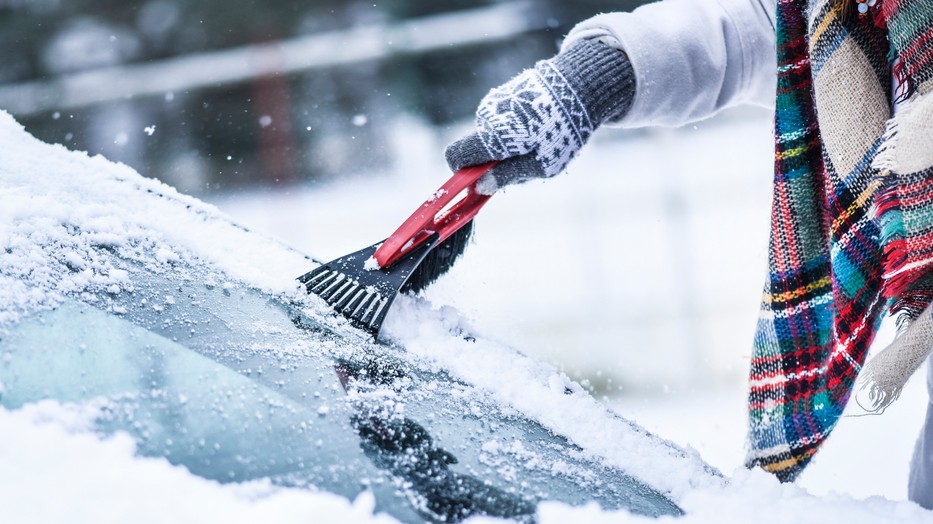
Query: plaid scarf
(852, 214)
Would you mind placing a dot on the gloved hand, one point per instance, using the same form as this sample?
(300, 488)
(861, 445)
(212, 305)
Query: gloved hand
(536, 122)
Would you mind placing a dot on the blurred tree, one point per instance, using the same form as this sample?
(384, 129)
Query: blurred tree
(270, 130)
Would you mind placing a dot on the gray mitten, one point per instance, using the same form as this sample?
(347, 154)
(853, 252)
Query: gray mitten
(536, 122)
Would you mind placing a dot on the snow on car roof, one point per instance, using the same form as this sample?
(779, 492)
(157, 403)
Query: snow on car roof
(59, 208)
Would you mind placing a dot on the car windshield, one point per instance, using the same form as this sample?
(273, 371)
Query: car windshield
(236, 385)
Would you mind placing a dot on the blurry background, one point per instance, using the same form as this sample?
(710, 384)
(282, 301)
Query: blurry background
(323, 123)
(260, 93)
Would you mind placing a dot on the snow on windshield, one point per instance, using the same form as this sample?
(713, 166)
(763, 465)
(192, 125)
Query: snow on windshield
(58, 208)
(48, 453)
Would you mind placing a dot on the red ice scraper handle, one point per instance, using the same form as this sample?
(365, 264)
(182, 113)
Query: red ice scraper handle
(451, 207)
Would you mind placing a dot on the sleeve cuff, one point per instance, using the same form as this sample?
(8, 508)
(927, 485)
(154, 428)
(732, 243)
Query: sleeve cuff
(602, 76)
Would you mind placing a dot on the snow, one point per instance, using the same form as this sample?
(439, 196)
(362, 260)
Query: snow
(541, 392)
(48, 239)
(755, 496)
(56, 470)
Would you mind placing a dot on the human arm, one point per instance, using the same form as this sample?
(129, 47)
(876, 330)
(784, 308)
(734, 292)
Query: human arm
(677, 61)
(692, 58)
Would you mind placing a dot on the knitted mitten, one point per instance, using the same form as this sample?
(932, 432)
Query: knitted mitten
(538, 121)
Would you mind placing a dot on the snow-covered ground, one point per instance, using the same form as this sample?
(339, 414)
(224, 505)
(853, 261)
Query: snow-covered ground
(54, 470)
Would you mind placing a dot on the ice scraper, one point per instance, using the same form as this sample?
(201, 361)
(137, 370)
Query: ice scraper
(363, 284)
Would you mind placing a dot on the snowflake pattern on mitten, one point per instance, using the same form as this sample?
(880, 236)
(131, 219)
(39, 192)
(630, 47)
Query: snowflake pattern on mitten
(539, 112)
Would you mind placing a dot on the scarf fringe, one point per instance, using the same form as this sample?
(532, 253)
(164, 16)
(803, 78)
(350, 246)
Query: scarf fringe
(900, 271)
(886, 374)
(910, 305)
(885, 159)
(887, 214)
(880, 397)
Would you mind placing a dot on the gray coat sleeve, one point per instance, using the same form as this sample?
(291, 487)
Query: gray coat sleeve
(692, 58)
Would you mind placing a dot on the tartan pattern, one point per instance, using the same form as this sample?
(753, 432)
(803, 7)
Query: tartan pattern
(905, 214)
(823, 300)
(905, 203)
(911, 40)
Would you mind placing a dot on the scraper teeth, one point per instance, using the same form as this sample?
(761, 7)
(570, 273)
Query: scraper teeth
(320, 272)
(360, 293)
(346, 292)
(361, 305)
(352, 303)
(374, 311)
(335, 292)
(373, 302)
(319, 279)
(364, 297)
(378, 313)
(326, 288)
